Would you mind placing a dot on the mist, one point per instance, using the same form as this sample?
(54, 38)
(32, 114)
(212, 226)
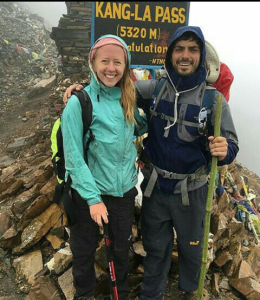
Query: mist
(50, 11)
(231, 27)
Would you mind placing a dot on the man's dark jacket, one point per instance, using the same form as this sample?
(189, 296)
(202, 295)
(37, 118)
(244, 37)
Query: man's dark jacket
(183, 150)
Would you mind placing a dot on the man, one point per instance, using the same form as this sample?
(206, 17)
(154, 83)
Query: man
(176, 159)
(173, 149)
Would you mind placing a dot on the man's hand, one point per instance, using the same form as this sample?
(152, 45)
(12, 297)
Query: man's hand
(68, 91)
(218, 147)
(98, 212)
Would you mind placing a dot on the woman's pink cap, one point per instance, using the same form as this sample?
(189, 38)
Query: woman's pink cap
(105, 42)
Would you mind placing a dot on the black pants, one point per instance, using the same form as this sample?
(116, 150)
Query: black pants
(160, 213)
(84, 241)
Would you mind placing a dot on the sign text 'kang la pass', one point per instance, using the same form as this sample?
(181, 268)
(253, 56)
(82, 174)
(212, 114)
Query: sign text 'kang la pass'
(146, 27)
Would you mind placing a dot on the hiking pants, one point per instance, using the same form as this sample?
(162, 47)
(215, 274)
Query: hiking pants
(84, 241)
(160, 213)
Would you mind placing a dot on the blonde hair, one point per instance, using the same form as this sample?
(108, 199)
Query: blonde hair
(128, 97)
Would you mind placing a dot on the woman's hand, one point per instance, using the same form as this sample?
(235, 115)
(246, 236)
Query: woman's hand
(68, 91)
(98, 212)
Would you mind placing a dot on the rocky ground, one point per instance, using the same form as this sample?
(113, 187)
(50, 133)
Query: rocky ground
(35, 258)
(27, 56)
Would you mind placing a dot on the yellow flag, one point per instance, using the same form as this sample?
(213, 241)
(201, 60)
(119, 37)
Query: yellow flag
(35, 55)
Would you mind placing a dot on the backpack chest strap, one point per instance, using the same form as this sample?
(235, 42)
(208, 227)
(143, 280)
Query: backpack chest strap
(168, 118)
(206, 100)
(199, 175)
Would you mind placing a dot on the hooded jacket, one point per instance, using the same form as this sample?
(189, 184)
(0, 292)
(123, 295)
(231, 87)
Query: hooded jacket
(112, 154)
(181, 150)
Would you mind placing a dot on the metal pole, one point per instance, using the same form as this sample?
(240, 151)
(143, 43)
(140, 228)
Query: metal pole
(110, 261)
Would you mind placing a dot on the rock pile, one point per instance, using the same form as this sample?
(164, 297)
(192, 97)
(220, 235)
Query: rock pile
(73, 36)
(26, 50)
(33, 230)
(26, 54)
(28, 65)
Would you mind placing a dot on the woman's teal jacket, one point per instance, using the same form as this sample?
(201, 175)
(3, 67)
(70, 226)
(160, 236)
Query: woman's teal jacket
(112, 154)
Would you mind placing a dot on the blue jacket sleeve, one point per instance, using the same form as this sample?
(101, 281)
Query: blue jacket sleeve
(144, 92)
(231, 154)
(76, 167)
(227, 130)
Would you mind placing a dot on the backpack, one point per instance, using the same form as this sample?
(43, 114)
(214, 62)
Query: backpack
(207, 101)
(224, 81)
(62, 189)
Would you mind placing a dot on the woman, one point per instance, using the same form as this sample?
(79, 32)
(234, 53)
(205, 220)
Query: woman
(104, 189)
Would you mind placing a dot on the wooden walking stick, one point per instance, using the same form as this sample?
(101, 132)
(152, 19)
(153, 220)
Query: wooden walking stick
(209, 202)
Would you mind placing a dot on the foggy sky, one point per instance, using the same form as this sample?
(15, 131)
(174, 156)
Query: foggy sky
(50, 11)
(231, 27)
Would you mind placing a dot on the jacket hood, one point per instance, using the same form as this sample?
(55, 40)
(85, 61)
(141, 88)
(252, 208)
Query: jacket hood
(183, 83)
(93, 76)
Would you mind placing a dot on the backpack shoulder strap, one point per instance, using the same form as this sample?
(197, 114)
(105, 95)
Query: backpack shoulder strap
(159, 88)
(207, 101)
(208, 98)
(157, 95)
(86, 107)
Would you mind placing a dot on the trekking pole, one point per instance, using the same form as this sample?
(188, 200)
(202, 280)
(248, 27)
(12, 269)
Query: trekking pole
(110, 260)
(213, 171)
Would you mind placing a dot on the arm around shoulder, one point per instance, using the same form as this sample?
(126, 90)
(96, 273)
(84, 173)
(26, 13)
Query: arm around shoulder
(144, 92)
